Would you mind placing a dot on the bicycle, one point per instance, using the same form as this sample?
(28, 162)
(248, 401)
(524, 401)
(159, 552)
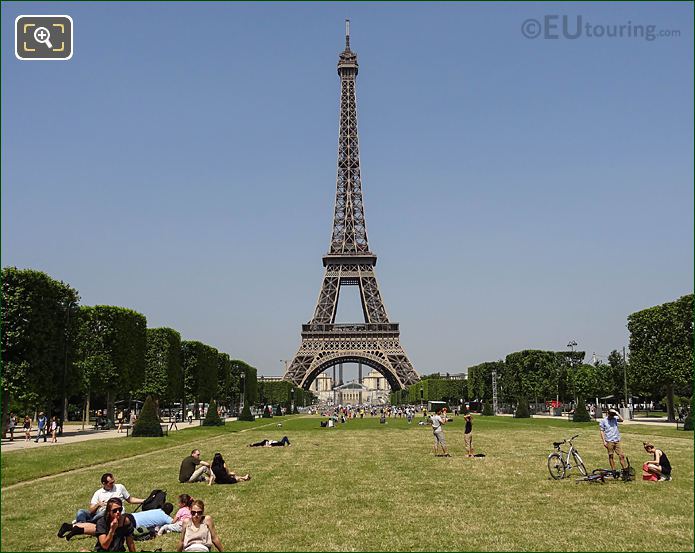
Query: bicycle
(626, 474)
(558, 466)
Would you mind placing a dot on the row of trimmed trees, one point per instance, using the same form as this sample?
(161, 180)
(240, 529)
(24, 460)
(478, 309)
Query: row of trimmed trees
(54, 349)
(660, 366)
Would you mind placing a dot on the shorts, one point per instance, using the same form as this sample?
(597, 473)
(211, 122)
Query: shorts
(468, 440)
(614, 447)
(439, 438)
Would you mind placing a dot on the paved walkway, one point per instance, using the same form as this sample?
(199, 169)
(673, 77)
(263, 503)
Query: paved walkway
(656, 421)
(73, 433)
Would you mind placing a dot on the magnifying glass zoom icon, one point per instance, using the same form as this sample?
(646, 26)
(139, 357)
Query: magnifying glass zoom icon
(43, 35)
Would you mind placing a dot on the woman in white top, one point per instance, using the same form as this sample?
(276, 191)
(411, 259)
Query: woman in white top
(198, 533)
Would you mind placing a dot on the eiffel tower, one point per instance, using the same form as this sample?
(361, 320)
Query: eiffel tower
(349, 262)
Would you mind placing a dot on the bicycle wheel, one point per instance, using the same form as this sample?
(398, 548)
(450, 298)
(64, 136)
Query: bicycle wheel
(556, 466)
(579, 463)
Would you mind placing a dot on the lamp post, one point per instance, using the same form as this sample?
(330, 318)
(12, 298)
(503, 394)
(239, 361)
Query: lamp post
(292, 406)
(572, 344)
(422, 396)
(69, 306)
(242, 392)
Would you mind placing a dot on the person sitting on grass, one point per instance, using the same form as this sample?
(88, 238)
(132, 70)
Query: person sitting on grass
(182, 515)
(272, 443)
(188, 471)
(115, 529)
(198, 534)
(86, 518)
(222, 475)
(659, 466)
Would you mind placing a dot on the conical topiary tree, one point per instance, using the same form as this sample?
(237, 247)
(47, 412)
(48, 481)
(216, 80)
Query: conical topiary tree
(246, 414)
(487, 409)
(278, 411)
(147, 424)
(580, 412)
(688, 422)
(212, 418)
(522, 409)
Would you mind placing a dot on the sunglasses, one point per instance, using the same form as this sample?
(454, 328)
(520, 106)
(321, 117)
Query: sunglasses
(117, 510)
(196, 513)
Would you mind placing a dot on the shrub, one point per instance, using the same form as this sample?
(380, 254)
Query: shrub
(487, 409)
(688, 422)
(522, 409)
(278, 411)
(147, 424)
(580, 412)
(246, 414)
(211, 417)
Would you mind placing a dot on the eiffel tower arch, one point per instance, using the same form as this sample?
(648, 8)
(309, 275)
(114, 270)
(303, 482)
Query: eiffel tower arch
(349, 262)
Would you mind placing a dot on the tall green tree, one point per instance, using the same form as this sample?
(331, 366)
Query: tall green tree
(38, 322)
(480, 379)
(200, 370)
(112, 342)
(661, 349)
(227, 381)
(163, 378)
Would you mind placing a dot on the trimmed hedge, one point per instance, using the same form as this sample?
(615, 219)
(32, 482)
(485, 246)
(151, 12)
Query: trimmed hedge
(246, 414)
(522, 409)
(212, 418)
(580, 412)
(147, 424)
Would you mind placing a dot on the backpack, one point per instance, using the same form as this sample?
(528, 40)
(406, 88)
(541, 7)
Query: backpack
(155, 500)
(141, 533)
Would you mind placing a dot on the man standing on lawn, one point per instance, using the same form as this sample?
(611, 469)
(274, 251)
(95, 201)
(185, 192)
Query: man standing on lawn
(468, 435)
(611, 436)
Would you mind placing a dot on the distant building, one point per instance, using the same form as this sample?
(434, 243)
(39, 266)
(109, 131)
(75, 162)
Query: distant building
(373, 389)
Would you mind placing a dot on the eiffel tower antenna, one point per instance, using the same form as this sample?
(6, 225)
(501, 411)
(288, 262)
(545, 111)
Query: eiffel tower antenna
(349, 262)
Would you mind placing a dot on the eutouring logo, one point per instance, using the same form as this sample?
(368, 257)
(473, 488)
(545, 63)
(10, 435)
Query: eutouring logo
(572, 27)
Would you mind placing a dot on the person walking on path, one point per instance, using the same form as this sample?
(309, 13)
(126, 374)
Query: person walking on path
(27, 429)
(611, 437)
(54, 429)
(437, 422)
(42, 427)
(468, 435)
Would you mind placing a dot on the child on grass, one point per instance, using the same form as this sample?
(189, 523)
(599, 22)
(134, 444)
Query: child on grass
(184, 513)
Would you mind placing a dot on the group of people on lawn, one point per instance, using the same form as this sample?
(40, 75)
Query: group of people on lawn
(658, 469)
(107, 520)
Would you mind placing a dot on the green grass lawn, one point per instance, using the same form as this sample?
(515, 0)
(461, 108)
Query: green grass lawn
(369, 487)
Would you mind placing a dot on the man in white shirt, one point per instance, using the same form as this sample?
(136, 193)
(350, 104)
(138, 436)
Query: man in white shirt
(86, 518)
(437, 421)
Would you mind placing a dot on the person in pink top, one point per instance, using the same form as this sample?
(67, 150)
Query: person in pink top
(183, 514)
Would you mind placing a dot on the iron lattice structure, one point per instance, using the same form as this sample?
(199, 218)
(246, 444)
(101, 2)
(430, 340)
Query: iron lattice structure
(376, 342)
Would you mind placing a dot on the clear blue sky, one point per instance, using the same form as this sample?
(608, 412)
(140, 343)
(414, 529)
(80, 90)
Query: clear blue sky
(519, 193)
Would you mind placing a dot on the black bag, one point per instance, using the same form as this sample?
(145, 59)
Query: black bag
(155, 500)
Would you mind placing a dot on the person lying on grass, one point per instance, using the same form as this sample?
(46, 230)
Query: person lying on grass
(222, 475)
(272, 443)
(199, 534)
(85, 520)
